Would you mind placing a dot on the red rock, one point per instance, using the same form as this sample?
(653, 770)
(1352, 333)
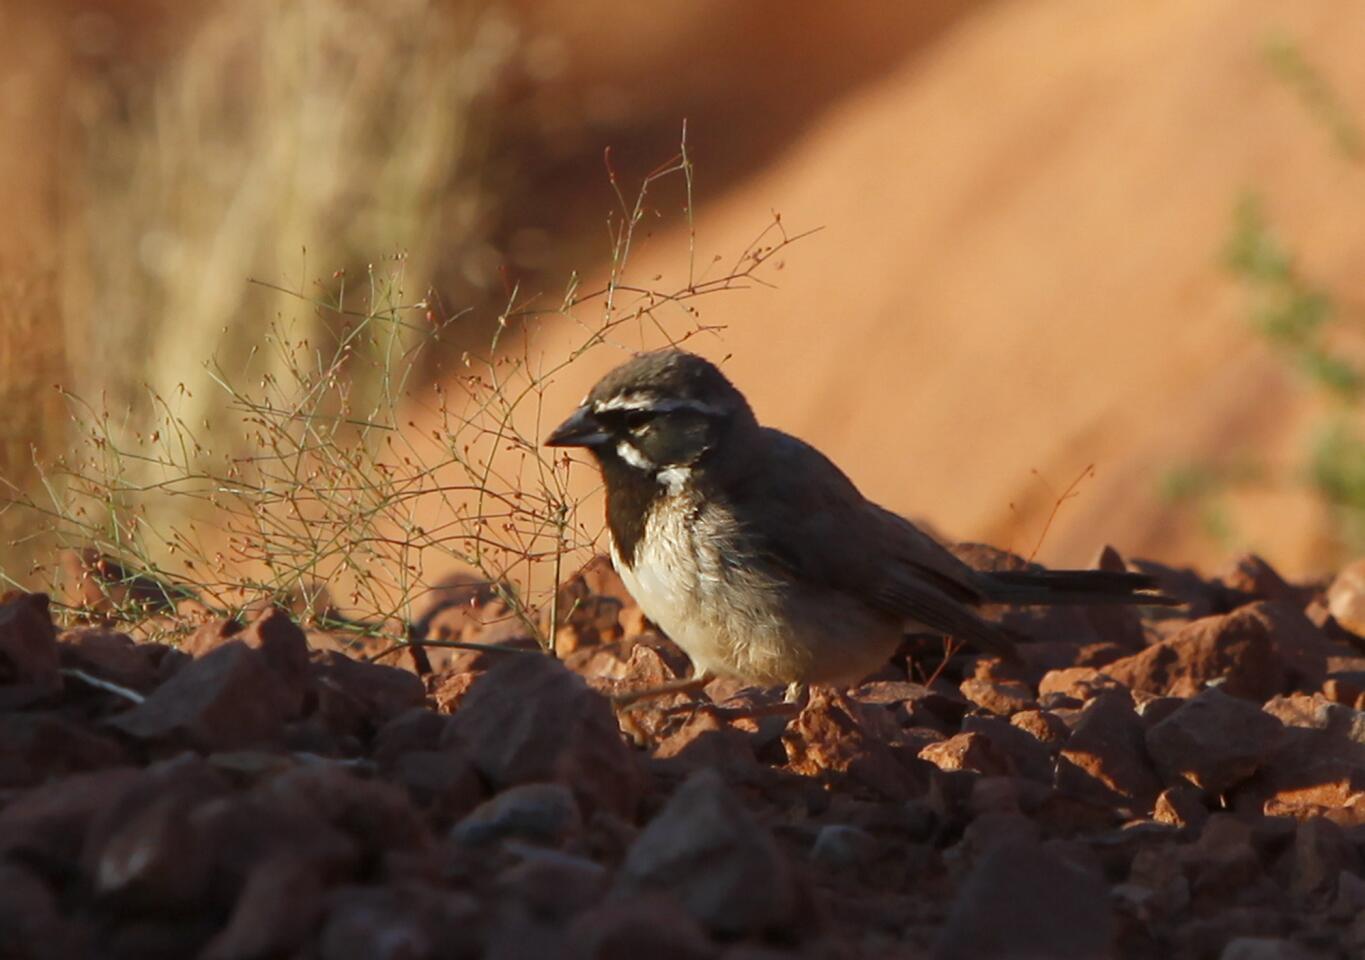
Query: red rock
(543, 813)
(29, 916)
(109, 655)
(1002, 698)
(1252, 576)
(530, 720)
(1258, 651)
(451, 604)
(1215, 741)
(553, 885)
(941, 708)
(275, 913)
(969, 751)
(28, 650)
(629, 928)
(706, 850)
(39, 746)
(1346, 597)
(359, 697)
(443, 783)
(1322, 852)
(281, 642)
(211, 635)
(1223, 864)
(1181, 805)
(376, 816)
(448, 689)
(1234, 647)
(227, 699)
(1022, 900)
(46, 825)
(1105, 755)
(250, 829)
(836, 735)
(705, 740)
(409, 922)
(1043, 725)
(155, 860)
(1265, 948)
(1082, 683)
(1029, 756)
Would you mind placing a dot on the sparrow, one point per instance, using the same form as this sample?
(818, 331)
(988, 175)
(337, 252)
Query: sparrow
(758, 557)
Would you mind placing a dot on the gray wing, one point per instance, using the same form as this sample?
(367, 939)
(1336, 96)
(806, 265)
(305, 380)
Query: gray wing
(826, 535)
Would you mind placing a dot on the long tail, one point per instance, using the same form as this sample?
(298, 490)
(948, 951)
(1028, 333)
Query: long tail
(1057, 587)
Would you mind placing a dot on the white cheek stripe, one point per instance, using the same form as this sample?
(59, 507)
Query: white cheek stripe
(634, 457)
(675, 478)
(636, 401)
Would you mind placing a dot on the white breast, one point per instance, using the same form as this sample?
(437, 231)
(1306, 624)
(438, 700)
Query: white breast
(690, 576)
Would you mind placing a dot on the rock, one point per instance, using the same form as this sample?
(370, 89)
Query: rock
(969, 751)
(1236, 648)
(281, 642)
(376, 816)
(628, 928)
(29, 662)
(544, 813)
(109, 655)
(834, 734)
(441, 781)
(146, 852)
(228, 699)
(1322, 852)
(1043, 725)
(839, 846)
(1083, 683)
(35, 747)
(1252, 576)
(705, 849)
(1181, 805)
(1026, 754)
(408, 922)
(277, 910)
(34, 928)
(705, 740)
(46, 826)
(529, 720)
(1346, 597)
(360, 697)
(551, 884)
(915, 704)
(1023, 900)
(1215, 741)
(1106, 758)
(1003, 698)
(1223, 864)
(1264, 948)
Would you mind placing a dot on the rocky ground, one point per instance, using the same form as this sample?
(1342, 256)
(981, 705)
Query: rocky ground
(1182, 782)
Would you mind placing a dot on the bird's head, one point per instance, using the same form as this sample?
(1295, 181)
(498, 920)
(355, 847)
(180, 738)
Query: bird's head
(660, 411)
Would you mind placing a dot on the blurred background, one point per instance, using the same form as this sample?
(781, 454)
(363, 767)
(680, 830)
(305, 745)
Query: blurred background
(1102, 256)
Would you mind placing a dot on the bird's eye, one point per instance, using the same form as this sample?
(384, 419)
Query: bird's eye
(637, 420)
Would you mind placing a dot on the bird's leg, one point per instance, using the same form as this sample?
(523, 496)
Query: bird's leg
(689, 685)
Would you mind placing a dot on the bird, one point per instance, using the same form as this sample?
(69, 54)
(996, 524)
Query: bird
(760, 558)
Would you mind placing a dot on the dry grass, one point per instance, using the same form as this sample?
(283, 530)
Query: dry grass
(323, 478)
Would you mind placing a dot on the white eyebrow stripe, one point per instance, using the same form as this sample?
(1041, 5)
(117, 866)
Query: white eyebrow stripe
(634, 457)
(640, 402)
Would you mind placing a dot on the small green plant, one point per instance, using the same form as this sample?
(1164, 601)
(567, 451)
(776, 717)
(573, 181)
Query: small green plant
(1301, 320)
(354, 476)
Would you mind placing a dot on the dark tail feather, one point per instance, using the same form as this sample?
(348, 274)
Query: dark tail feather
(1054, 587)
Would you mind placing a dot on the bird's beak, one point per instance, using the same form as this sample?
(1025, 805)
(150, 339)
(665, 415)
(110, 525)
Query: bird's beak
(580, 430)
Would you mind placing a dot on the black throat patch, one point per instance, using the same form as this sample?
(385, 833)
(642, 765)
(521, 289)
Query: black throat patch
(631, 495)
